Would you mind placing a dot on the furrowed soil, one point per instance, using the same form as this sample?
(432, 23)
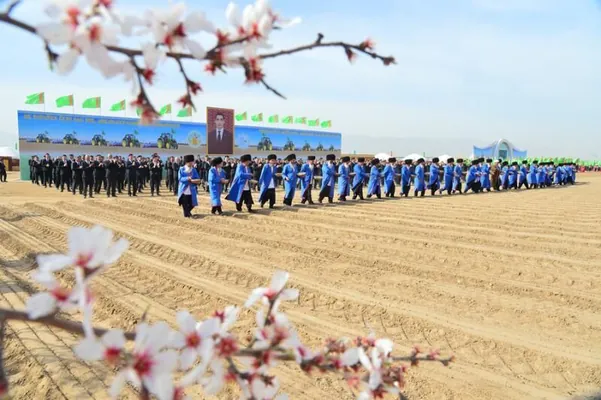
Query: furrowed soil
(508, 282)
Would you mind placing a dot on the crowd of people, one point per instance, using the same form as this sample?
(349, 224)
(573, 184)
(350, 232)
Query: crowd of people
(331, 177)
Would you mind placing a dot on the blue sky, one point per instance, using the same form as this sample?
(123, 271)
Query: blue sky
(469, 70)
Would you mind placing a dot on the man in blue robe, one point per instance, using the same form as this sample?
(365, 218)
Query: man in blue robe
(306, 175)
(389, 177)
(522, 176)
(472, 180)
(449, 174)
(532, 179)
(419, 183)
(504, 176)
(550, 173)
(485, 183)
(328, 179)
(289, 173)
(458, 176)
(359, 178)
(406, 177)
(344, 183)
(267, 182)
(512, 178)
(188, 179)
(541, 171)
(434, 180)
(216, 180)
(374, 186)
(240, 191)
(559, 175)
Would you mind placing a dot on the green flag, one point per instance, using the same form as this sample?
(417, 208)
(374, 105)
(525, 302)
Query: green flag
(288, 120)
(92, 102)
(165, 110)
(257, 117)
(326, 124)
(35, 98)
(138, 111)
(313, 122)
(300, 120)
(242, 117)
(273, 119)
(185, 112)
(119, 106)
(64, 101)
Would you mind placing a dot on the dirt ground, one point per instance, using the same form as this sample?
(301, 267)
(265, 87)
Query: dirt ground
(508, 282)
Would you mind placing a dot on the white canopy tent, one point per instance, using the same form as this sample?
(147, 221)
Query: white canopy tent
(413, 156)
(443, 158)
(382, 156)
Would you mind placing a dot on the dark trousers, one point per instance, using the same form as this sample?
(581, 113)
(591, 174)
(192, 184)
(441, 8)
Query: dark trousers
(474, 186)
(2, 175)
(155, 184)
(36, 177)
(405, 189)
(246, 199)
(98, 181)
(186, 202)
(65, 180)
(307, 195)
(269, 197)
(358, 192)
(392, 190)
(111, 185)
(522, 183)
(77, 184)
(47, 177)
(88, 187)
(458, 187)
(132, 184)
(421, 193)
(175, 185)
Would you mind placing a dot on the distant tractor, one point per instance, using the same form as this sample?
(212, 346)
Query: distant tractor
(319, 147)
(70, 138)
(306, 146)
(42, 138)
(99, 140)
(265, 144)
(289, 146)
(167, 140)
(130, 140)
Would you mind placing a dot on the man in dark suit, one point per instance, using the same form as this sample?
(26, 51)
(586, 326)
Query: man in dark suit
(220, 140)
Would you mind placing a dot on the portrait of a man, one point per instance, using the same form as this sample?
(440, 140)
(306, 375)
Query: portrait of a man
(220, 131)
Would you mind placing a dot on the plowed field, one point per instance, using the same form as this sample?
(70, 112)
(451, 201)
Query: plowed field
(509, 282)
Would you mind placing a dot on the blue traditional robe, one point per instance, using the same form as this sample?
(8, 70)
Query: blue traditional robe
(388, 178)
(419, 183)
(532, 175)
(559, 174)
(549, 175)
(485, 176)
(449, 173)
(344, 187)
(328, 181)
(306, 180)
(540, 175)
(266, 179)
(359, 177)
(504, 177)
(434, 181)
(406, 176)
(243, 175)
(289, 173)
(183, 176)
(512, 176)
(215, 186)
(374, 181)
(457, 174)
(472, 175)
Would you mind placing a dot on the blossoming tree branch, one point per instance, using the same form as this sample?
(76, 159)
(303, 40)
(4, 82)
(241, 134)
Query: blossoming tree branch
(205, 352)
(92, 29)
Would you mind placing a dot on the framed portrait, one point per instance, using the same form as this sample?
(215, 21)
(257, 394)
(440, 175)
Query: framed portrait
(220, 131)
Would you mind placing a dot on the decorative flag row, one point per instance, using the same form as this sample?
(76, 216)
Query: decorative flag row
(288, 119)
(96, 102)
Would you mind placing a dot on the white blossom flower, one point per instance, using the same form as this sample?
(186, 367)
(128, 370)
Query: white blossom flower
(301, 352)
(213, 384)
(108, 348)
(150, 364)
(55, 299)
(373, 365)
(275, 290)
(261, 390)
(152, 55)
(194, 339)
(227, 317)
(89, 249)
(66, 61)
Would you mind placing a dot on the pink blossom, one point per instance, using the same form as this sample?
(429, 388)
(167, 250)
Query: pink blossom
(194, 339)
(109, 348)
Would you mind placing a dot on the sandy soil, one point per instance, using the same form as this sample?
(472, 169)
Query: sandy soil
(508, 282)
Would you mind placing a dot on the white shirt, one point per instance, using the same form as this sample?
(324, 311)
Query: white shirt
(219, 134)
(271, 182)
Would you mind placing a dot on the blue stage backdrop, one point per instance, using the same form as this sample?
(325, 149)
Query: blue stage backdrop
(57, 134)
